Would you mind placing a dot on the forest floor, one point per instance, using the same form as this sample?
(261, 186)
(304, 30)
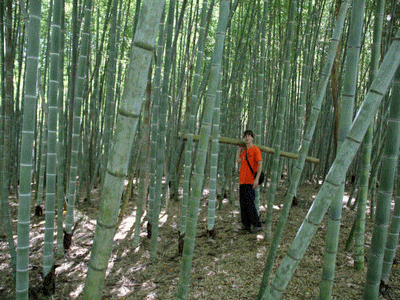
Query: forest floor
(228, 266)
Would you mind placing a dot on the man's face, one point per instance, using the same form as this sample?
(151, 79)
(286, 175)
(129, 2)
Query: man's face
(248, 139)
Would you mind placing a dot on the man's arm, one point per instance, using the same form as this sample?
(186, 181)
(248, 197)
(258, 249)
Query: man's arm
(256, 180)
(238, 152)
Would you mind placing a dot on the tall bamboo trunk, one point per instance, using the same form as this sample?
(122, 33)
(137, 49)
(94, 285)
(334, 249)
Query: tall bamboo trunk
(333, 180)
(30, 100)
(127, 120)
(198, 175)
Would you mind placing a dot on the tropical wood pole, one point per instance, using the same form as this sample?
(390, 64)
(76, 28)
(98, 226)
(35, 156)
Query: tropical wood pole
(7, 99)
(198, 174)
(383, 205)
(212, 196)
(6, 140)
(240, 143)
(127, 120)
(359, 259)
(260, 92)
(161, 132)
(80, 89)
(42, 156)
(144, 165)
(308, 135)
(261, 74)
(182, 70)
(48, 255)
(346, 117)
(110, 98)
(304, 87)
(154, 122)
(28, 133)
(61, 145)
(394, 229)
(292, 12)
(192, 117)
(332, 182)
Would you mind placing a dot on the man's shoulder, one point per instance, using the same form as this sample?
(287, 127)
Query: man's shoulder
(257, 152)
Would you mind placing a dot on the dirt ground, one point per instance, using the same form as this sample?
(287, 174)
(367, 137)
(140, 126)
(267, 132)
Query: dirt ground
(229, 266)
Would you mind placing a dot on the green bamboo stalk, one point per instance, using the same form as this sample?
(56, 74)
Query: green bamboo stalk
(198, 175)
(110, 99)
(161, 136)
(28, 132)
(394, 229)
(359, 229)
(192, 116)
(383, 207)
(42, 154)
(280, 118)
(367, 147)
(260, 92)
(346, 118)
(127, 120)
(308, 135)
(80, 88)
(144, 165)
(6, 138)
(154, 122)
(212, 196)
(304, 86)
(333, 180)
(61, 145)
(52, 139)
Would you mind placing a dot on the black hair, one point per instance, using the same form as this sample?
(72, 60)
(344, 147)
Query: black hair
(248, 132)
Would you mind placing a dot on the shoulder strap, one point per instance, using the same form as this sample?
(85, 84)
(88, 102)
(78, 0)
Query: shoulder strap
(251, 169)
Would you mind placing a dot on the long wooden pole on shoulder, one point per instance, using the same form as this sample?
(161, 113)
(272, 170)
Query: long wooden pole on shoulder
(236, 142)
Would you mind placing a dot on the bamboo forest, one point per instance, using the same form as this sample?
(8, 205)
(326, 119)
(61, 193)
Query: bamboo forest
(121, 122)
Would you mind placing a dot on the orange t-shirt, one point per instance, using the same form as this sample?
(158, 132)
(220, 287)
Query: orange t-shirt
(253, 156)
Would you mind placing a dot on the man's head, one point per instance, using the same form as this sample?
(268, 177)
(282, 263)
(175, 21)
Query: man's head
(248, 137)
(248, 132)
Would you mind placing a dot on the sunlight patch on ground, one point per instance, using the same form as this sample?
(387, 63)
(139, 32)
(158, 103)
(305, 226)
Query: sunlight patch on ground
(125, 227)
(350, 259)
(261, 252)
(163, 219)
(345, 198)
(139, 267)
(125, 253)
(77, 292)
(124, 287)
(208, 271)
(151, 296)
(111, 264)
(77, 272)
(235, 212)
(65, 267)
(148, 285)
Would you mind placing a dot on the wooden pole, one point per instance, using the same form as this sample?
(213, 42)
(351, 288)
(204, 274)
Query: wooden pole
(235, 142)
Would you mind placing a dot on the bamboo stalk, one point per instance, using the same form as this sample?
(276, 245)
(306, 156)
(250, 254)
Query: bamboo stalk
(235, 142)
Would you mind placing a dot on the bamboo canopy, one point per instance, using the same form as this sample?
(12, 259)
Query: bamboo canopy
(236, 142)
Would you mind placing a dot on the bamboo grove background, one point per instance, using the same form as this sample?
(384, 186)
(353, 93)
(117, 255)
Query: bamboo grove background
(97, 92)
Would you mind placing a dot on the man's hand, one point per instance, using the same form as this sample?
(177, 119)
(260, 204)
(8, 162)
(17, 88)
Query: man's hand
(256, 180)
(255, 184)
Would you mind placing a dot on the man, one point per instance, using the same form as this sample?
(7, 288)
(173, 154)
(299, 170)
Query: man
(250, 155)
